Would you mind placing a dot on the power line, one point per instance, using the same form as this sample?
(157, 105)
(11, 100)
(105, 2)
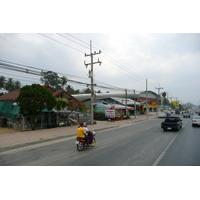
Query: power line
(72, 40)
(138, 77)
(13, 67)
(60, 43)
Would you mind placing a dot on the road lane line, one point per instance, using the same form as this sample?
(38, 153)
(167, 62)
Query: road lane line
(163, 153)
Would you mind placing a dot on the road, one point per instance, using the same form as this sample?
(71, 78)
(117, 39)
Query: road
(140, 144)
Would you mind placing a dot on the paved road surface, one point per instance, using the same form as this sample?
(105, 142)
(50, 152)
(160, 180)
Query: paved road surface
(141, 144)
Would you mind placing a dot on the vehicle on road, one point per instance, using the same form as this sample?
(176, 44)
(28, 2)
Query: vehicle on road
(186, 114)
(177, 112)
(161, 115)
(81, 143)
(196, 121)
(172, 123)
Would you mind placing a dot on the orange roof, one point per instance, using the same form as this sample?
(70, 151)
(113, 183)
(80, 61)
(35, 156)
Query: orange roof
(12, 96)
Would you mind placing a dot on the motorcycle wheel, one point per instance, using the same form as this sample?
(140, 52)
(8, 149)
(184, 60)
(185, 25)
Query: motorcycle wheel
(79, 146)
(93, 143)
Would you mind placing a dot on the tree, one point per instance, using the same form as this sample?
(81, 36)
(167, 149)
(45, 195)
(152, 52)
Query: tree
(2, 82)
(17, 85)
(10, 85)
(61, 104)
(86, 91)
(52, 79)
(73, 105)
(70, 89)
(165, 100)
(33, 99)
(63, 81)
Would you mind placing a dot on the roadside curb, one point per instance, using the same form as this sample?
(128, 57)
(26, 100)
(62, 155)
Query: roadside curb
(43, 140)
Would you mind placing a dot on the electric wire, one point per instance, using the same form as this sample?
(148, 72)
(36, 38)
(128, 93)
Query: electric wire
(32, 72)
(120, 65)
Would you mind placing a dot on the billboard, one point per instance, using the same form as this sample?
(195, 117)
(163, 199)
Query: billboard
(175, 103)
(110, 113)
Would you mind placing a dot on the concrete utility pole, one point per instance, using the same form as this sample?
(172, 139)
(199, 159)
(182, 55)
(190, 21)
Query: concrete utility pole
(92, 80)
(146, 98)
(126, 100)
(134, 105)
(159, 88)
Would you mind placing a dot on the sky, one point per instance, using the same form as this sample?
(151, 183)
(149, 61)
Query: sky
(139, 50)
(129, 60)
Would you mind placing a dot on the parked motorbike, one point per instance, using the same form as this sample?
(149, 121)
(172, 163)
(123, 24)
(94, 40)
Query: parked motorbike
(81, 143)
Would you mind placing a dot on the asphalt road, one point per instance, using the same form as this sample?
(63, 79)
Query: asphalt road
(141, 144)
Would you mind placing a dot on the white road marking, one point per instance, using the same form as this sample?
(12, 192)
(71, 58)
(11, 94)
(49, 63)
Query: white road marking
(163, 153)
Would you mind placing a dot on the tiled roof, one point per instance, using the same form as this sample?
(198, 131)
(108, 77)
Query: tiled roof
(12, 96)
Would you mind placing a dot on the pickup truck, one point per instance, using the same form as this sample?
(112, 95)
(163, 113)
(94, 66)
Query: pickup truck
(172, 123)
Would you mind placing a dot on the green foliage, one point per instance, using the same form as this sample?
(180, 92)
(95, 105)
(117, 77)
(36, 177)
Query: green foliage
(9, 84)
(164, 94)
(17, 84)
(63, 80)
(2, 82)
(76, 106)
(71, 90)
(35, 98)
(52, 79)
(61, 104)
(86, 91)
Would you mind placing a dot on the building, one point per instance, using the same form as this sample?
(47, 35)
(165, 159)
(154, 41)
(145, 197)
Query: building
(10, 111)
(143, 99)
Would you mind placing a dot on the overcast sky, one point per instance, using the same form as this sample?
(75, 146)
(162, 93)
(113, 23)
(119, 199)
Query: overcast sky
(170, 61)
(138, 41)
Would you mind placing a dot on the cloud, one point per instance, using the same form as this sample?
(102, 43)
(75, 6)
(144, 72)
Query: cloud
(128, 59)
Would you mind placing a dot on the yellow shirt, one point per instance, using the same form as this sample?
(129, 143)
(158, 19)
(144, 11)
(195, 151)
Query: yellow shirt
(80, 132)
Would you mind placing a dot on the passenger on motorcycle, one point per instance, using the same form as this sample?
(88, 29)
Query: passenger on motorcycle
(82, 134)
(88, 132)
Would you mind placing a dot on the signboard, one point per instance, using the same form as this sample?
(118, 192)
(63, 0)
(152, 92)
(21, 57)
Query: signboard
(110, 113)
(175, 103)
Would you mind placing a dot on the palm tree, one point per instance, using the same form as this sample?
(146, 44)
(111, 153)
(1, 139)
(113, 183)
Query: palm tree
(2, 82)
(17, 84)
(10, 86)
(63, 81)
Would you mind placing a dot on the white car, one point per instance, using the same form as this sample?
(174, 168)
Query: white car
(161, 115)
(196, 121)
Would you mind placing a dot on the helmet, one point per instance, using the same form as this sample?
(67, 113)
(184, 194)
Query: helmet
(85, 124)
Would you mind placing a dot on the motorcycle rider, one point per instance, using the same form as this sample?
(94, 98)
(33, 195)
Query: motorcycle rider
(88, 132)
(82, 134)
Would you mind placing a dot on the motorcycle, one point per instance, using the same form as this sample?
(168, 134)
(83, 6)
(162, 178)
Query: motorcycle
(81, 143)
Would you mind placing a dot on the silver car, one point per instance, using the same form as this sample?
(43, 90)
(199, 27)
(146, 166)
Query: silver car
(186, 114)
(196, 121)
(161, 115)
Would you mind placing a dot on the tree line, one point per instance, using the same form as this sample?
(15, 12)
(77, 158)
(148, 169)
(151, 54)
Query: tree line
(9, 84)
(50, 78)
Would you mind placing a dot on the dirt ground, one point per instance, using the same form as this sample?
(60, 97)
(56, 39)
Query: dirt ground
(7, 131)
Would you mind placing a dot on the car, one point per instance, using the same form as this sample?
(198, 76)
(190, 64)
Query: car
(196, 121)
(172, 123)
(161, 115)
(177, 112)
(186, 114)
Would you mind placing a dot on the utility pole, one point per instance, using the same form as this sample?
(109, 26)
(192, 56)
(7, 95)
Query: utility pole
(92, 79)
(159, 88)
(134, 105)
(126, 100)
(146, 98)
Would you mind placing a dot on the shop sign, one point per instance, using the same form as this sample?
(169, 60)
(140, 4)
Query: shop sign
(110, 113)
